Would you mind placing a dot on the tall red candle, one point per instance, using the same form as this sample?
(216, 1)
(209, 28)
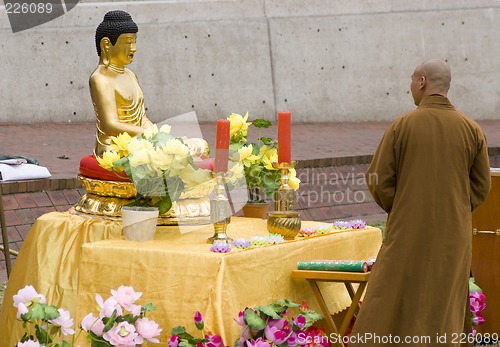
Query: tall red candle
(284, 138)
(222, 145)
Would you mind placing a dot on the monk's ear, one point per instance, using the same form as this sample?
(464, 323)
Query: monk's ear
(422, 82)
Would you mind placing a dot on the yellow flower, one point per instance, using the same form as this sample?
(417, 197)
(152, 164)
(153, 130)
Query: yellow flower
(120, 143)
(238, 127)
(165, 128)
(107, 160)
(193, 177)
(137, 144)
(246, 156)
(268, 156)
(293, 180)
(139, 157)
(174, 156)
(150, 131)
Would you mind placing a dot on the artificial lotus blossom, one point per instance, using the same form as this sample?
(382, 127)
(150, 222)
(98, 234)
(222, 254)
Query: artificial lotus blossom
(121, 321)
(220, 247)
(274, 325)
(275, 238)
(259, 241)
(241, 243)
(180, 337)
(198, 320)
(305, 232)
(49, 322)
(25, 298)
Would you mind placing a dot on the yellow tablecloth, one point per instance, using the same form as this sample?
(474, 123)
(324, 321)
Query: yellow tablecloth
(176, 272)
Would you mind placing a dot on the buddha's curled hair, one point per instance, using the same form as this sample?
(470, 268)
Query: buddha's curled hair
(114, 24)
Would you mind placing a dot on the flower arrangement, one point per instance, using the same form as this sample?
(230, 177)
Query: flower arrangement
(477, 301)
(264, 326)
(45, 325)
(336, 226)
(121, 321)
(274, 325)
(159, 164)
(181, 338)
(257, 158)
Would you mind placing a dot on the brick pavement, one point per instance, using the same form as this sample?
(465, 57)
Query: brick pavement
(332, 158)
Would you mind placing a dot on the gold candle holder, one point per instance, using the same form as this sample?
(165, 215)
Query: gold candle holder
(284, 220)
(284, 197)
(220, 211)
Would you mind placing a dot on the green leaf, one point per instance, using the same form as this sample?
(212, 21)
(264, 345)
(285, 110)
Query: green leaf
(186, 344)
(254, 320)
(178, 330)
(271, 310)
(66, 344)
(42, 335)
(148, 307)
(38, 311)
(110, 322)
(164, 204)
(51, 312)
(261, 123)
(286, 302)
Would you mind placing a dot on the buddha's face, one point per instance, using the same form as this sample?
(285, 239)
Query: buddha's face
(122, 53)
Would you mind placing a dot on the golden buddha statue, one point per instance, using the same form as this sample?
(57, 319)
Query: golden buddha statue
(116, 95)
(118, 103)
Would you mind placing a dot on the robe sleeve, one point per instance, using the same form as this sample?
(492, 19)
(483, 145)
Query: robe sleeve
(381, 175)
(479, 174)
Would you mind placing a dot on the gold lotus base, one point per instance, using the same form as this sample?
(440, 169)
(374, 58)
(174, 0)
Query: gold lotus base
(286, 223)
(106, 199)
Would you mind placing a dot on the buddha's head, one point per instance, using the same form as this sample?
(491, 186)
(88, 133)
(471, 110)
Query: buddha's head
(115, 38)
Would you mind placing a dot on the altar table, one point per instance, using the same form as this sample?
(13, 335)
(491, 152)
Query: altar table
(70, 259)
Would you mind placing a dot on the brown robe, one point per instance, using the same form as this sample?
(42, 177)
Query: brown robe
(429, 172)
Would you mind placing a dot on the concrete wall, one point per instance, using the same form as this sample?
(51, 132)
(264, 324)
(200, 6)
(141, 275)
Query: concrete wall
(324, 60)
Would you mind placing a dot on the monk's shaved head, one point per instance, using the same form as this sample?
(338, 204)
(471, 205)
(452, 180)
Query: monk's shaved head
(437, 72)
(432, 77)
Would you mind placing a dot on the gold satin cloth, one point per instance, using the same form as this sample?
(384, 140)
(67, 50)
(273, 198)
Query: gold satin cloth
(70, 259)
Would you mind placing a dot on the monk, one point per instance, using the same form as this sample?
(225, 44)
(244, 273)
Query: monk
(429, 172)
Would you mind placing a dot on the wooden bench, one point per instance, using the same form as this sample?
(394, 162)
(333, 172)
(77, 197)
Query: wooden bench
(348, 278)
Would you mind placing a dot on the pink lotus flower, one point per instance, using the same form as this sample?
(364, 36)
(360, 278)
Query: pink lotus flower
(173, 341)
(300, 321)
(275, 334)
(198, 320)
(478, 319)
(91, 323)
(64, 321)
(477, 302)
(241, 318)
(26, 297)
(126, 296)
(260, 342)
(122, 335)
(214, 341)
(147, 329)
(108, 306)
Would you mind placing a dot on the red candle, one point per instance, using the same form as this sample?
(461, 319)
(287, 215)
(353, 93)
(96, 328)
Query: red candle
(222, 145)
(284, 138)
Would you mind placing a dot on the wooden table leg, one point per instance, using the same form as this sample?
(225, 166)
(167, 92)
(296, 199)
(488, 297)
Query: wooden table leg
(353, 308)
(326, 312)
